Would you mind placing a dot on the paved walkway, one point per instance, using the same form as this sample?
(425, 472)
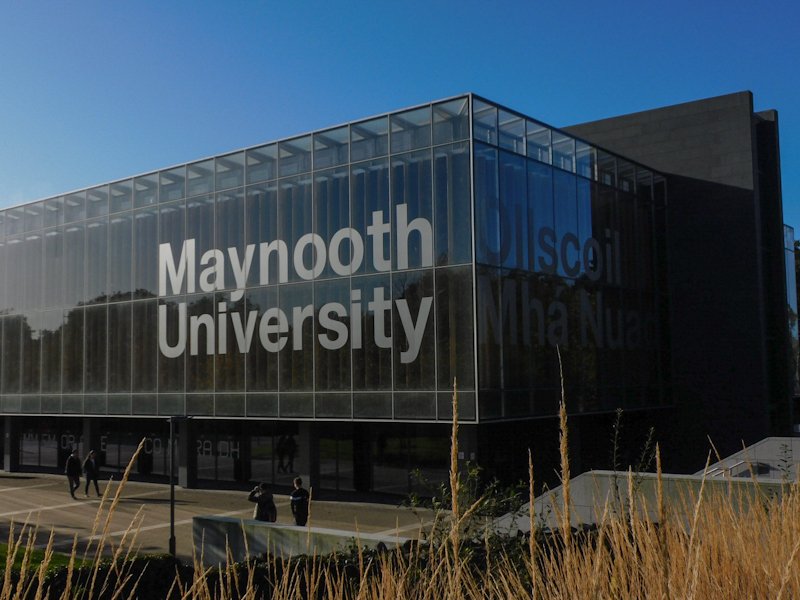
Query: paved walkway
(44, 499)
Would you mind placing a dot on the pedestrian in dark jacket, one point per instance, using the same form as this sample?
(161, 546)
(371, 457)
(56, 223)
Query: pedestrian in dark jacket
(73, 471)
(92, 471)
(265, 509)
(299, 499)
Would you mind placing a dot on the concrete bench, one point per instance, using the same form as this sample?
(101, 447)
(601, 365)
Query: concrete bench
(243, 538)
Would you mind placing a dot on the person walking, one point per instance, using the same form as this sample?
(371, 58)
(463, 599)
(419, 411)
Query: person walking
(73, 471)
(299, 502)
(265, 509)
(92, 472)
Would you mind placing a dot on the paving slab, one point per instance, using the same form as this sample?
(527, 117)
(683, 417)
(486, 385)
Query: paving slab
(142, 509)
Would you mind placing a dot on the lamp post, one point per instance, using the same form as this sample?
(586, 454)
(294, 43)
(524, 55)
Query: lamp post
(172, 486)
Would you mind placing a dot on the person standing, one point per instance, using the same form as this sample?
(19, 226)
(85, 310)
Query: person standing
(299, 502)
(265, 509)
(73, 472)
(92, 471)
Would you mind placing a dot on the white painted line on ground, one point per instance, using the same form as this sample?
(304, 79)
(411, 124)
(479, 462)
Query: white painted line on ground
(26, 487)
(39, 509)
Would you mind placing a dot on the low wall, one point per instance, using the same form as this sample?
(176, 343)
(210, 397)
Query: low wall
(245, 538)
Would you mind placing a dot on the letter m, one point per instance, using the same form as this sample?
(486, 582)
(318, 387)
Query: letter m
(185, 268)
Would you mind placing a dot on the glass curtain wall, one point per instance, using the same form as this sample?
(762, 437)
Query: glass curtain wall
(322, 276)
(566, 261)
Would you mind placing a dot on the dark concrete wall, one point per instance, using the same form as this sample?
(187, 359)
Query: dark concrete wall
(720, 339)
(710, 140)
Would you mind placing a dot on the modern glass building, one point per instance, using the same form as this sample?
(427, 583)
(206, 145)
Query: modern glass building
(304, 306)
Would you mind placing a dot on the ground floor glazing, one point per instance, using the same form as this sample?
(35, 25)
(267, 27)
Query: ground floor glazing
(376, 458)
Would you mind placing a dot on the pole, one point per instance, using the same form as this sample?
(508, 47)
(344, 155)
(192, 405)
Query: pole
(172, 486)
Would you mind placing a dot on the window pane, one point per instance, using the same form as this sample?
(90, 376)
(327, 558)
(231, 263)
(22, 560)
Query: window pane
(490, 341)
(230, 231)
(585, 159)
(626, 175)
(32, 267)
(414, 345)
(145, 190)
(52, 322)
(145, 247)
(487, 206)
(119, 347)
(451, 121)
(262, 359)
(412, 234)
(369, 139)
(120, 252)
(172, 231)
(200, 178)
(294, 156)
(332, 406)
(512, 132)
(454, 331)
(331, 148)
(262, 163)
(332, 344)
(72, 357)
(566, 205)
(121, 196)
(332, 215)
(3, 302)
(538, 142)
(295, 218)
(411, 129)
(96, 261)
(369, 183)
(171, 370)
(73, 264)
(541, 215)
(97, 202)
(53, 212)
(452, 193)
(96, 334)
(419, 405)
(484, 122)
(563, 152)
(606, 168)
(12, 347)
(33, 216)
(15, 219)
(145, 345)
(372, 406)
(15, 274)
(372, 360)
(261, 225)
(200, 223)
(230, 171)
(202, 339)
(296, 359)
(75, 207)
(514, 234)
(31, 353)
(229, 359)
(172, 184)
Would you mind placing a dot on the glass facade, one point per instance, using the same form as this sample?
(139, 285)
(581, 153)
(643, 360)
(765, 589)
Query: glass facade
(790, 262)
(350, 274)
(327, 276)
(567, 253)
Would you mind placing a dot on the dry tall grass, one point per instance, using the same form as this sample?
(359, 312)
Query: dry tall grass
(731, 549)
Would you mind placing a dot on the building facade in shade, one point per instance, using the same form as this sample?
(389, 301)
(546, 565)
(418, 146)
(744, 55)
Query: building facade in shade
(305, 306)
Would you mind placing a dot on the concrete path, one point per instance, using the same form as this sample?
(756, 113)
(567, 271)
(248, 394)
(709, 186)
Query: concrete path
(44, 500)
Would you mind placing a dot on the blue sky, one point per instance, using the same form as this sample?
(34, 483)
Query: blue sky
(93, 91)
